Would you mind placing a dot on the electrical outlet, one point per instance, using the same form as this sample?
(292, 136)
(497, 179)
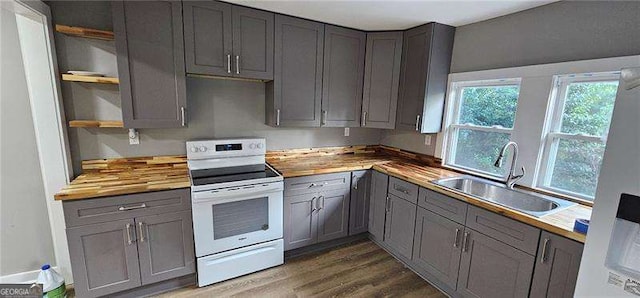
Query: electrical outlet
(346, 131)
(427, 140)
(134, 138)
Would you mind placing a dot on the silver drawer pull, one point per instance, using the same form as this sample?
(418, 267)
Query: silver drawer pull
(400, 189)
(123, 208)
(312, 185)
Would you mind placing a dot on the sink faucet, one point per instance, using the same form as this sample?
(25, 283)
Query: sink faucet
(512, 178)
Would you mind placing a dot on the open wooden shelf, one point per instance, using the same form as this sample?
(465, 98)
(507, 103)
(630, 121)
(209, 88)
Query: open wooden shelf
(97, 123)
(85, 32)
(90, 79)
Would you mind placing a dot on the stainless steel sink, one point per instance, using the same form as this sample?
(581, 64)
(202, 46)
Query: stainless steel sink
(524, 201)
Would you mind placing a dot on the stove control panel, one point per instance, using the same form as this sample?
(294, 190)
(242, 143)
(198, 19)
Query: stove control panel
(225, 148)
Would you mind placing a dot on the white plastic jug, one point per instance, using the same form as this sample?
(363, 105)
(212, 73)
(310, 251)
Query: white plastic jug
(52, 283)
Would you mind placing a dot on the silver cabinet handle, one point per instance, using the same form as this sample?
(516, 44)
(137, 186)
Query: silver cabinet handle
(278, 117)
(400, 189)
(123, 208)
(324, 117)
(141, 231)
(313, 206)
(418, 123)
(387, 206)
(237, 64)
(182, 113)
(543, 256)
(312, 185)
(321, 206)
(465, 242)
(364, 118)
(228, 63)
(129, 241)
(455, 241)
(354, 181)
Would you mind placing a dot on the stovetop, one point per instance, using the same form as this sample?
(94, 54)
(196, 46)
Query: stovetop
(214, 178)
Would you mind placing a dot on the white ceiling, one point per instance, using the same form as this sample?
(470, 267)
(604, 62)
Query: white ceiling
(394, 14)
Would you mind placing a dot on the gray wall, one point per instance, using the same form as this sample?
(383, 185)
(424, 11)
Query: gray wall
(25, 232)
(216, 108)
(557, 32)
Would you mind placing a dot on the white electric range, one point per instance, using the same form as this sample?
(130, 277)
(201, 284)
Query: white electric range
(237, 205)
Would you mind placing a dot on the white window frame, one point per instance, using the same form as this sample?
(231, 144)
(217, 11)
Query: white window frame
(553, 123)
(453, 126)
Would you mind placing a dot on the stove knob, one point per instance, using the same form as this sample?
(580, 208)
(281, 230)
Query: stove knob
(252, 146)
(259, 145)
(194, 149)
(203, 148)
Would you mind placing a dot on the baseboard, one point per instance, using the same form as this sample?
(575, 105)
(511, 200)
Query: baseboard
(323, 246)
(26, 277)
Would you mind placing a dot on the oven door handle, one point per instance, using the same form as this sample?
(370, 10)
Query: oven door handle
(234, 194)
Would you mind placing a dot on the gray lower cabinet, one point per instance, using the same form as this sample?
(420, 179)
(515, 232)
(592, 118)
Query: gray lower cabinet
(426, 58)
(315, 217)
(342, 77)
(490, 268)
(399, 225)
(165, 246)
(104, 258)
(378, 205)
(437, 246)
(294, 96)
(381, 79)
(150, 54)
(227, 40)
(124, 242)
(360, 200)
(557, 267)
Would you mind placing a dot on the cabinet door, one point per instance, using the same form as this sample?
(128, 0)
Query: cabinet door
(359, 205)
(150, 52)
(436, 246)
(490, 268)
(294, 96)
(300, 221)
(342, 76)
(165, 246)
(399, 226)
(557, 267)
(377, 207)
(252, 43)
(381, 79)
(104, 258)
(207, 37)
(333, 214)
(413, 75)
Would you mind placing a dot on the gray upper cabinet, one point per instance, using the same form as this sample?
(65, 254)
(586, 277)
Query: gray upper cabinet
(165, 246)
(344, 53)
(437, 246)
(557, 267)
(150, 50)
(381, 79)
(399, 225)
(378, 204)
(208, 37)
(490, 268)
(104, 258)
(359, 205)
(426, 57)
(227, 40)
(333, 214)
(294, 96)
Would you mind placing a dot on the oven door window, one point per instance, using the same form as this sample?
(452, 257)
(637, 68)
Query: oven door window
(240, 217)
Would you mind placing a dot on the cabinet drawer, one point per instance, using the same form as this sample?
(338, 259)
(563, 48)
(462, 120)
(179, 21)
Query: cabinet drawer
(509, 231)
(90, 211)
(443, 205)
(315, 183)
(403, 189)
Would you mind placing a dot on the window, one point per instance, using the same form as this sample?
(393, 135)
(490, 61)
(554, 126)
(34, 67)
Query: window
(482, 121)
(577, 130)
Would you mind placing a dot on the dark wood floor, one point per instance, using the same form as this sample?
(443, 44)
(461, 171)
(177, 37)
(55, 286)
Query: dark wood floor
(360, 269)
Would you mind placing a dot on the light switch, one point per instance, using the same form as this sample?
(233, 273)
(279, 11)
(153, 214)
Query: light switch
(427, 140)
(346, 131)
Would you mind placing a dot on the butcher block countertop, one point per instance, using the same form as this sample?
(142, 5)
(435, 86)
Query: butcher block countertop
(120, 176)
(417, 169)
